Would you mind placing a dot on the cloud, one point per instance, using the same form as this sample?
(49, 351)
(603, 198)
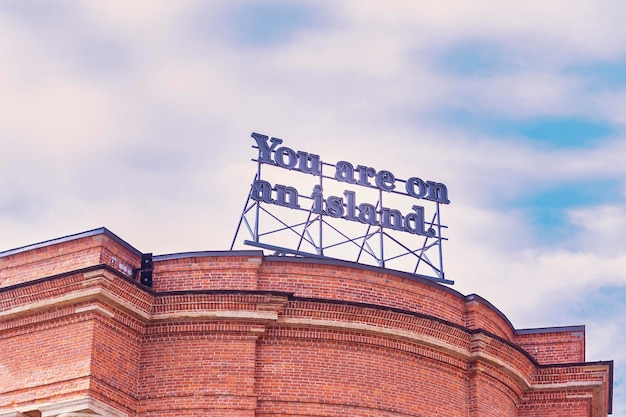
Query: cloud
(602, 228)
(139, 118)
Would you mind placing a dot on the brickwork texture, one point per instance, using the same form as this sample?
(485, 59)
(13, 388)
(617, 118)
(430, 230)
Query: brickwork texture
(238, 334)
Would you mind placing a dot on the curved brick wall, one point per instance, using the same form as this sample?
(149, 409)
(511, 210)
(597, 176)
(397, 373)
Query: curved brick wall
(239, 334)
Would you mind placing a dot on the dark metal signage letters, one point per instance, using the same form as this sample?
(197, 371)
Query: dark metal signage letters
(320, 208)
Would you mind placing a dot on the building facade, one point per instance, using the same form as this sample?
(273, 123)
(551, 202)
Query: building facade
(236, 333)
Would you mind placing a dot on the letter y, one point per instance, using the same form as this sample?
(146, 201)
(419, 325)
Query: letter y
(265, 151)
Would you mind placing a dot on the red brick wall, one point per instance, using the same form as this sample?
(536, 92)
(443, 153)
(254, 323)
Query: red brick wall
(557, 404)
(197, 367)
(342, 375)
(489, 396)
(480, 315)
(44, 360)
(241, 335)
(207, 273)
(64, 257)
(554, 346)
(115, 363)
(362, 286)
(48, 261)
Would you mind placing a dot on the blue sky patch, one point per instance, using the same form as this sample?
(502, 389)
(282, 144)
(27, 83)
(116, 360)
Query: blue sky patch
(548, 131)
(607, 74)
(473, 59)
(584, 193)
(563, 132)
(601, 303)
(547, 207)
(268, 24)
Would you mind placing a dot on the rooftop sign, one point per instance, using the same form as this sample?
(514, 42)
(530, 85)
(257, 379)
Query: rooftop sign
(377, 233)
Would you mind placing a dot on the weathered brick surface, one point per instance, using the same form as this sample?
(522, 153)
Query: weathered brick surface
(490, 397)
(236, 334)
(37, 363)
(558, 403)
(207, 273)
(304, 369)
(197, 366)
(115, 363)
(554, 346)
(59, 258)
(362, 286)
(479, 314)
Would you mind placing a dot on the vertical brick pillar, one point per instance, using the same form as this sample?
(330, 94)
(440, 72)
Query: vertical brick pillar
(488, 395)
(472, 391)
(193, 369)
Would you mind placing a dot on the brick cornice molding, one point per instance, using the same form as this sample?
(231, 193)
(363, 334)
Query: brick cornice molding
(81, 407)
(78, 415)
(479, 341)
(101, 285)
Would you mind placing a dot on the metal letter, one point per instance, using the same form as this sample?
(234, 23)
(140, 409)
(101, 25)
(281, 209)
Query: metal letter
(392, 219)
(281, 196)
(437, 192)
(265, 152)
(385, 180)
(367, 214)
(281, 153)
(309, 163)
(317, 197)
(417, 220)
(364, 173)
(350, 205)
(261, 191)
(344, 172)
(334, 206)
(421, 185)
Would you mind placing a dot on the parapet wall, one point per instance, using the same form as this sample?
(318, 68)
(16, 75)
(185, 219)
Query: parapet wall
(240, 334)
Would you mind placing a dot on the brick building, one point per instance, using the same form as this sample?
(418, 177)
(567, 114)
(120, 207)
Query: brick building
(242, 334)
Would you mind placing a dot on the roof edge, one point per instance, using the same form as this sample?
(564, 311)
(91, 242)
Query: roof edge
(356, 265)
(555, 329)
(69, 238)
(207, 254)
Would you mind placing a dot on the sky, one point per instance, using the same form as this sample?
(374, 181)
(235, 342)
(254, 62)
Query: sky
(139, 117)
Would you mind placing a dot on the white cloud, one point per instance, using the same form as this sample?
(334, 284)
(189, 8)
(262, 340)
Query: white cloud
(139, 120)
(602, 228)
